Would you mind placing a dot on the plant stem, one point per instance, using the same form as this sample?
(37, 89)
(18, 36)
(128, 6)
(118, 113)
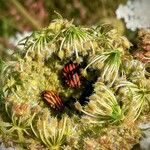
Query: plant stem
(20, 135)
(24, 13)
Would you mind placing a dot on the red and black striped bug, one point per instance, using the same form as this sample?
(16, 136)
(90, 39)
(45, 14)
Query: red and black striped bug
(53, 99)
(71, 75)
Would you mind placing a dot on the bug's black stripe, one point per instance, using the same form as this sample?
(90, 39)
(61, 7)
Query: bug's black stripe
(49, 100)
(57, 100)
(71, 75)
(76, 76)
(70, 67)
(53, 99)
(78, 79)
(73, 83)
(74, 80)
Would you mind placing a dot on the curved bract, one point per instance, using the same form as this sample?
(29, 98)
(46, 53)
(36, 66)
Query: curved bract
(139, 98)
(51, 131)
(103, 106)
(109, 63)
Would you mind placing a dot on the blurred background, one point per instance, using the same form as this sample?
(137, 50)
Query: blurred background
(18, 18)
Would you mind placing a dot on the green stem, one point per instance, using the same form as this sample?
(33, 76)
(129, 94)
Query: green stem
(20, 135)
(25, 14)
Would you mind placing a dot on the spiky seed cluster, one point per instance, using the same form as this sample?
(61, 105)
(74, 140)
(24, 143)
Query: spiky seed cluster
(103, 106)
(51, 131)
(140, 97)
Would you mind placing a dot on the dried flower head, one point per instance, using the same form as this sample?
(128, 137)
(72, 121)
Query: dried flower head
(20, 109)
